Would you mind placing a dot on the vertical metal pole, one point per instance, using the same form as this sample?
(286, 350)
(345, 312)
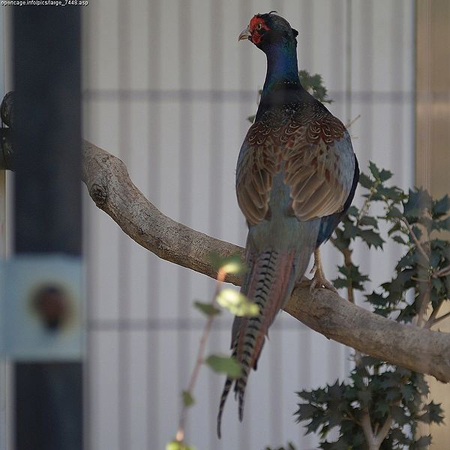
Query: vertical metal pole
(3, 364)
(48, 396)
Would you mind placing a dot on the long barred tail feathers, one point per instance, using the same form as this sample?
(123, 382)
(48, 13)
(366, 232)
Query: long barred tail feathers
(229, 381)
(223, 399)
(268, 284)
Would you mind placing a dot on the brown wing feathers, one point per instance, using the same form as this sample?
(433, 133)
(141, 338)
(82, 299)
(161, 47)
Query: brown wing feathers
(301, 143)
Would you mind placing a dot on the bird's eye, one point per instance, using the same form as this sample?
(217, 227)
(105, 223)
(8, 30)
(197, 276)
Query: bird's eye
(259, 26)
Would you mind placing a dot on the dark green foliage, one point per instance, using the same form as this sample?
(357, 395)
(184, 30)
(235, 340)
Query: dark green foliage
(381, 389)
(352, 277)
(314, 85)
(224, 364)
(232, 263)
(187, 398)
(385, 391)
(207, 308)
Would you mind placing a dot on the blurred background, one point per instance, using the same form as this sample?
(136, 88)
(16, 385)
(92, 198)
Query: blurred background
(168, 89)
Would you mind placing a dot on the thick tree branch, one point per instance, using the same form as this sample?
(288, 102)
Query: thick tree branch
(112, 190)
(109, 185)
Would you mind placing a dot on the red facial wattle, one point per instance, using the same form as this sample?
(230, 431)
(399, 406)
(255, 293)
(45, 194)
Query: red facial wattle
(257, 24)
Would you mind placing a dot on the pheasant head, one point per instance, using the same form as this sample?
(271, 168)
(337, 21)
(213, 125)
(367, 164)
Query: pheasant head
(267, 30)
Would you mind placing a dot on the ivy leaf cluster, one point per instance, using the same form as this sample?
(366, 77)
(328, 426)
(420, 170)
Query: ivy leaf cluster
(382, 391)
(388, 395)
(314, 85)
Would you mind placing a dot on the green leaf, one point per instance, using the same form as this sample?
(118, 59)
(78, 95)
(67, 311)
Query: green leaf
(441, 224)
(233, 264)
(353, 211)
(365, 181)
(224, 364)
(175, 445)
(371, 238)
(433, 413)
(437, 284)
(358, 439)
(340, 283)
(417, 231)
(188, 400)
(306, 395)
(350, 230)
(306, 411)
(407, 391)
(382, 408)
(423, 442)
(399, 239)
(315, 424)
(399, 415)
(441, 207)
(395, 227)
(207, 308)
(398, 435)
(353, 278)
(365, 398)
(393, 394)
(418, 201)
(394, 213)
(374, 170)
(314, 85)
(230, 264)
(376, 299)
(334, 417)
(369, 221)
(390, 379)
(435, 259)
(385, 174)
(237, 303)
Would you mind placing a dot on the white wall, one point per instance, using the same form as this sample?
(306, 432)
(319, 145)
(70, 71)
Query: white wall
(167, 88)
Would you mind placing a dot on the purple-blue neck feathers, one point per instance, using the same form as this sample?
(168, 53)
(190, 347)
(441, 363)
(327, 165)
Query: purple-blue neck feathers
(282, 83)
(282, 64)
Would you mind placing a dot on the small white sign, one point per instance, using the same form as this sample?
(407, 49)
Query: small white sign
(41, 314)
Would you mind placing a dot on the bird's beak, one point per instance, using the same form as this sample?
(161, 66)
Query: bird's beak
(245, 34)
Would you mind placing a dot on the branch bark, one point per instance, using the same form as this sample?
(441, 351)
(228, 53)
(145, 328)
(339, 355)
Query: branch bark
(111, 188)
(109, 185)
(368, 432)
